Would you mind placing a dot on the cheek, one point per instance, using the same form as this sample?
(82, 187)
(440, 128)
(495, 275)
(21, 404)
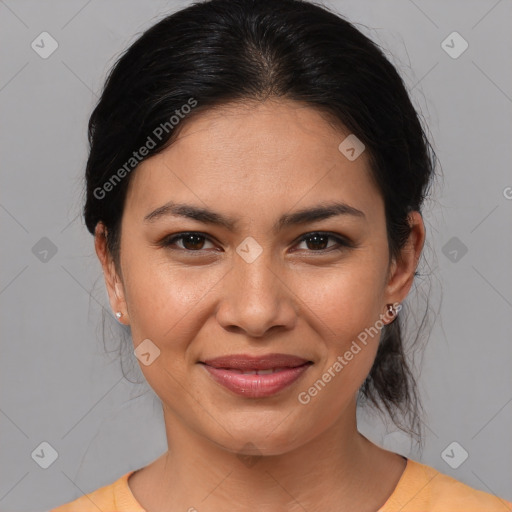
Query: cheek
(346, 304)
(346, 300)
(168, 305)
(166, 302)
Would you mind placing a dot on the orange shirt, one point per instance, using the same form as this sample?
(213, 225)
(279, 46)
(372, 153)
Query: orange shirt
(421, 488)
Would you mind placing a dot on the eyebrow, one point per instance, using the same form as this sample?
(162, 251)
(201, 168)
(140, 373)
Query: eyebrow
(304, 216)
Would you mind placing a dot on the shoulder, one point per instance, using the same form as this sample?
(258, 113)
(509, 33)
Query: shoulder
(114, 496)
(424, 488)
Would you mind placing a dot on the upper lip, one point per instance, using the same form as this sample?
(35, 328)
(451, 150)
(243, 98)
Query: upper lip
(246, 362)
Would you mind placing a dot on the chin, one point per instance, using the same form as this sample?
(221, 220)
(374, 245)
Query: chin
(265, 435)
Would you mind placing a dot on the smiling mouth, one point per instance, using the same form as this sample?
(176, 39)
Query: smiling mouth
(256, 376)
(268, 371)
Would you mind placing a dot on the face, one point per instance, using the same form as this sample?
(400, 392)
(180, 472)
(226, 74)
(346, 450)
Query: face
(252, 278)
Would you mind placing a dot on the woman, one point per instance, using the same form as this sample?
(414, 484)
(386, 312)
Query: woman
(254, 185)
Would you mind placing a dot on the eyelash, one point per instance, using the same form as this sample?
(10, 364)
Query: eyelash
(342, 243)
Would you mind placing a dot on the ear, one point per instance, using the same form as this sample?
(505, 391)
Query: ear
(401, 275)
(113, 283)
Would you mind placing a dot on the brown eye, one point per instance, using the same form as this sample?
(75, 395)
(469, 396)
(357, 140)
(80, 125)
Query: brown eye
(193, 242)
(190, 241)
(318, 242)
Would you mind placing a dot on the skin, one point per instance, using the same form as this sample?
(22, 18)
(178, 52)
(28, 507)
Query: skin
(255, 162)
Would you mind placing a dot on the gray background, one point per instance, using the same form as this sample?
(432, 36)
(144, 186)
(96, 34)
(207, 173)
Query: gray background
(57, 383)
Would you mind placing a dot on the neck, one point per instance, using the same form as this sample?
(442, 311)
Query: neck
(339, 466)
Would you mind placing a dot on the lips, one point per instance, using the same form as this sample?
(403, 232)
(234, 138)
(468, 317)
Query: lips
(244, 362)
(256, 376)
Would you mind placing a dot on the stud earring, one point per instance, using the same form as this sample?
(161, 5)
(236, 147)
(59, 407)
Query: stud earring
(119, 314)
(391, 310)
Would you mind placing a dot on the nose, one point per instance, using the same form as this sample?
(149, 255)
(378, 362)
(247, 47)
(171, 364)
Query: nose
(256, 299)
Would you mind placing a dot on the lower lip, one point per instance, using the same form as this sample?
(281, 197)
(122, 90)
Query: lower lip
(256, 386)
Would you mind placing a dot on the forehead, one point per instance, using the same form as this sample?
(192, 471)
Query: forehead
(244, 156)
